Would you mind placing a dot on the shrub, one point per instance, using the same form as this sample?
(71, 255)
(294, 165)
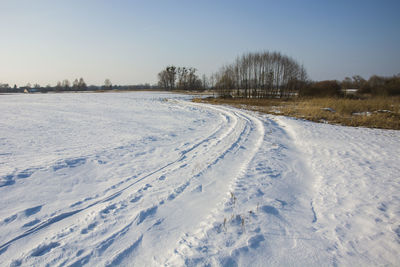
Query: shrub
(322, 88)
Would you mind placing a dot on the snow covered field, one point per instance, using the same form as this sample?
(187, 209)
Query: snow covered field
(134, 179)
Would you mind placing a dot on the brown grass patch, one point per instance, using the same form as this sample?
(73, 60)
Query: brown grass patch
(383, 112)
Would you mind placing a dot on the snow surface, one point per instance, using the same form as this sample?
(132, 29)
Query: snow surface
(150, 179)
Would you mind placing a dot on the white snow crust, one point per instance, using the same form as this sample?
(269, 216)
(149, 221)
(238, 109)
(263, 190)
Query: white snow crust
(152, 179)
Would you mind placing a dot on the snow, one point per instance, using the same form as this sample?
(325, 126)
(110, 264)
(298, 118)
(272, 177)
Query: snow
(151, 179)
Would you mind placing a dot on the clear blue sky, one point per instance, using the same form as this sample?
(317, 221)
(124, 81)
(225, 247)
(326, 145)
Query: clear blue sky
(129, 42)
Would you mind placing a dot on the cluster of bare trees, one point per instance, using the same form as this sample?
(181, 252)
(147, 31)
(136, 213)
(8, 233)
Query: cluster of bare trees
(107, 84)
(260, 75)
(77, 85)
(181, 78)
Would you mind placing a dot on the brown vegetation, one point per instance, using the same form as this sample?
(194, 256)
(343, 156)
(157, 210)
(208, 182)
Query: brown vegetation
(379, 112)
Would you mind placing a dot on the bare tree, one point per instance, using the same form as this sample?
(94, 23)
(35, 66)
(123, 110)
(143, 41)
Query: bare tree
(163, 80)
(75, 85)
(182, 73)
(204, 81)
(81, 84)
(167, 78)
(66, 85)
(107, 84)
(58, 86)
(171, 76)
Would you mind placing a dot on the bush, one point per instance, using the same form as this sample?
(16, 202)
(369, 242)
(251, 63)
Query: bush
(322, 88)
(376, 85)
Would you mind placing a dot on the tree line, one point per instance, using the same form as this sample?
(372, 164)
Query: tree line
(260, 75)
(272, 75)
(77, 85)
(356, 85)
(252, 75)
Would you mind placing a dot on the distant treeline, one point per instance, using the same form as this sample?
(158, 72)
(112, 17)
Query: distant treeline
(77, 85)
(252, 75)
(357, 85)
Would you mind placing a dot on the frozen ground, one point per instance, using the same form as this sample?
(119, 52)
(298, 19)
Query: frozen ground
(134, 180)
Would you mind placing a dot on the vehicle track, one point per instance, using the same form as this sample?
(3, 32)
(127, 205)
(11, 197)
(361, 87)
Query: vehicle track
(92, 218)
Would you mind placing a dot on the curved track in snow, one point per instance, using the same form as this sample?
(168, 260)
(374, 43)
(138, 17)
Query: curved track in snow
(175, 197)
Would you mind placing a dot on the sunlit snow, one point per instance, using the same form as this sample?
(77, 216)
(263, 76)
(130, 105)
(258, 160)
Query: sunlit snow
(151, 179)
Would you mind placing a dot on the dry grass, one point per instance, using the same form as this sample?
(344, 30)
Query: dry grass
(381, 112)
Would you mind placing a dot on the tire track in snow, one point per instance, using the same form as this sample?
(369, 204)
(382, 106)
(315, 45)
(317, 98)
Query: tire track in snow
(211, 141)
(230, 120)
(253, 216)
(255, 125)
(242, 136)
(250, 126)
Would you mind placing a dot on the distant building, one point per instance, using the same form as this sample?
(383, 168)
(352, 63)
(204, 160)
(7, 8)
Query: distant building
(28, 90)
(349, 91)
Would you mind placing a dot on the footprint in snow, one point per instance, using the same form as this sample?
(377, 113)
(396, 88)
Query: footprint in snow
(144, 188)
(198, 189)
(8, 181)
(108, 209)
(44, 248)
(229, 262)
(89, 228)
(69, 163)
(146, 213)
(382, 207)
(397, 231)
(10, 219)
(254, 242)
(136, 199)
(31, 223)
(270, 210)
(25, 174)
(32, 211)
(283, 203)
